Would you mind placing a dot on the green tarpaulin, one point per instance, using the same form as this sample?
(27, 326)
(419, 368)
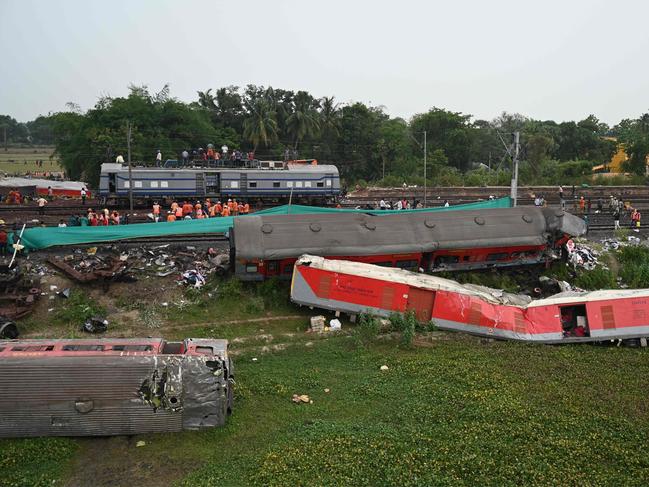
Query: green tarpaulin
(43, 237)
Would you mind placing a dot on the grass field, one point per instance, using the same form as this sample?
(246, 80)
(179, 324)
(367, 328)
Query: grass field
(451, 410)
(23, 160)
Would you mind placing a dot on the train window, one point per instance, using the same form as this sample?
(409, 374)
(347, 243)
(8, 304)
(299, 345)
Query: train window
(205, 350)
(164, 184)
(446, 259)
(407, 264)
(288, 269)
(275, 184)
(127, 184)
(384, 264)
(497, 256)
(234, 184)
(251, 268)
(37, 348)
(298, 184)
(83, 348)
(137, 184)
(307, 184)
(265, 164)
(154, 184)
(272, 266)
(252, 184)
(320, 185)
(289, 184)
(132, 348)
(328, 182)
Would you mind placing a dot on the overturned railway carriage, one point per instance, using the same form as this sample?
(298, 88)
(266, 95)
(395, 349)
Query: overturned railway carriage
(267, 246)
(353, 288)
(265, 180)
(113, 386)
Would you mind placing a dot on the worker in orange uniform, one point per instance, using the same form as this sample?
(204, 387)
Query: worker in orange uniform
(246, 209)
(174, 207)
(211, 211)
(582, 205)
(179, 213)
(235, 207)
(225, 211)
(171, 216)
(219, 208)
(156, 210)
(188, 208)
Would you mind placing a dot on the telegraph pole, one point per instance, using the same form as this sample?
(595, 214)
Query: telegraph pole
(425, 160)
(130, 173)
(514, 189)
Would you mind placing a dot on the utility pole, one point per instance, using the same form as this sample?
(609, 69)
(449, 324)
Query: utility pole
(425, 178)
(514, 189)
(130, 173)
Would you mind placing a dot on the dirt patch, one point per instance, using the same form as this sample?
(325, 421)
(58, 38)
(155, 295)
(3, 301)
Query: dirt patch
(117, 461)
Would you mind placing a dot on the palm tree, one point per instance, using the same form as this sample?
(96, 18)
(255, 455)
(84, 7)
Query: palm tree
(304, 121)
(206, 99)
(260, 127)
(329, 117)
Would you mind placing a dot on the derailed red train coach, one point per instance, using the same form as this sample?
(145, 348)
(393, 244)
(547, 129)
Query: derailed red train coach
(354, 288)
(268, 245)
(113, 386)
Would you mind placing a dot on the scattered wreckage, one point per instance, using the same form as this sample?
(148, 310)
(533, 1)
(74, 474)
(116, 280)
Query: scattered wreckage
(108, 387)
(570, 316)
(19, 290)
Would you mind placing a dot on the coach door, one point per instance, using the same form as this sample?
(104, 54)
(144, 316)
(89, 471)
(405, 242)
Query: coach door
(421, 302)
(200, 184)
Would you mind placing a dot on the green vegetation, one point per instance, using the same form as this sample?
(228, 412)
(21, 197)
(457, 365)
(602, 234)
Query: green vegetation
(23, 160)
(37, 462)
(635, 266)
(365, 142)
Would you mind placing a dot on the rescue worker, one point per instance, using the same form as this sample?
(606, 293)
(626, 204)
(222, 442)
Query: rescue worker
(156, 211)
(171, 217)
(246, 209)
(225, 211)
(219, 207)
(187, 208)
(174, 207)
(212, 211)
(179, 212)
(582, 205)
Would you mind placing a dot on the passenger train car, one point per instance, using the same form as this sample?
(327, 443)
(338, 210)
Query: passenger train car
(101, 387)
(265, 180)
(354, 288)
(267, 246)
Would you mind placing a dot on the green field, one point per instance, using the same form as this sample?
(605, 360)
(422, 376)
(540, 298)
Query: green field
(23, 160)
(451, 410)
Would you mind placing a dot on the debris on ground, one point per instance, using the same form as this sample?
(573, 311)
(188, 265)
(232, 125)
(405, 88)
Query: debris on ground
(20, 287)
(140, 443)
(301, 398)
(318, 323)
(580, 255)
(114, 263)
(8, 328)
(384, 367)
(96, 324)
(335, 324)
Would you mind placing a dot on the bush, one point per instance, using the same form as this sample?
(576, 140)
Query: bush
(634, 262)
(367, 329)
(598, 278)
(78, 308)
(406, 324)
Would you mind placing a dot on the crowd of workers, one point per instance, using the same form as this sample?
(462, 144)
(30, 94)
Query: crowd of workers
(200, 210)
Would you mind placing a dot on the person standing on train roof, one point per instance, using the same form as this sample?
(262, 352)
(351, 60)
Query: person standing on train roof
(185, 156)
(119, 159)
(158, 158)
(210, 152)
(224, 151)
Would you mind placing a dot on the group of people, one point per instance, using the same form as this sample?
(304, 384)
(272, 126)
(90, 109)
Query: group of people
(200, 210)
(94, 218)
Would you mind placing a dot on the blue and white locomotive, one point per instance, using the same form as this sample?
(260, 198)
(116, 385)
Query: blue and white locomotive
(265, 180)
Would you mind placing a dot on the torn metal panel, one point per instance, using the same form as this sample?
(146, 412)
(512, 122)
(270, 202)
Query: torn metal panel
(112, 387)
(109, 271)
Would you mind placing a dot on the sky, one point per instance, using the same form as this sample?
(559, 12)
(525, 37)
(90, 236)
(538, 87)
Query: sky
(559, 60)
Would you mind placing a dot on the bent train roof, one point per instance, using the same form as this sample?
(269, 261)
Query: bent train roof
(284, 236)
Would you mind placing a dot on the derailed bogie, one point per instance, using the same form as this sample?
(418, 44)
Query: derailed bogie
(113, 386)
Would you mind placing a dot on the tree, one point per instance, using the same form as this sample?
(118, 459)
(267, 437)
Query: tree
(260, 127)
(303, 121)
